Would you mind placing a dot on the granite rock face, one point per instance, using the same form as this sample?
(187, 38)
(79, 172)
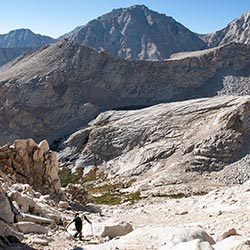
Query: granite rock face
(52, 92)
(166, 145)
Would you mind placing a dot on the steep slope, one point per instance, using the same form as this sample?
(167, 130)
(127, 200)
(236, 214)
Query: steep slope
(23, 38)
(8, 54)
(137, 33)
(236, 31)
(53, 91)
(169, 149)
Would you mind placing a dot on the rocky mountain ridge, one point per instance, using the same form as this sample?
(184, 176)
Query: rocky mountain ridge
(236, 31)
(24, 38)
(18, 42)
(53, 91)
(137, 33)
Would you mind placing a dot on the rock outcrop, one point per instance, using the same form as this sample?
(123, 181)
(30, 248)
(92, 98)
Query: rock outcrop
(27, 162)
(166, 145)
(54, 91)
(30, 194)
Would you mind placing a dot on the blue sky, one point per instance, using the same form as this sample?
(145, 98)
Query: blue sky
(57, 17)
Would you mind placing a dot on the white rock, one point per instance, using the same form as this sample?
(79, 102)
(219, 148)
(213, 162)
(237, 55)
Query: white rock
(232, 243)
(155, 237)
(40, 241)
(196, 244)
(63, 204)
(188, 234)
(36, 219)
(120, 229)
(44, 146)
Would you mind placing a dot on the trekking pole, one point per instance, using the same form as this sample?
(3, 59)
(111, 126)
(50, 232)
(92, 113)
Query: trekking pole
(92, 231)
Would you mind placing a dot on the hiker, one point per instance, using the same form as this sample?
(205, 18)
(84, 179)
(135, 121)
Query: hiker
(78, 224)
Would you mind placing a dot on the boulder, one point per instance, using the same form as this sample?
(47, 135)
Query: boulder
(6, 230)
(189, 234)
(120, 229)
(25, 202)
(5, 210)
(233, 243)
(224, 234)
(31, 227)
(35, 219)
(41, 241)
(44, 146)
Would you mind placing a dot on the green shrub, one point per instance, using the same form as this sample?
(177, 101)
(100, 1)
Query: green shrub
(67, 177)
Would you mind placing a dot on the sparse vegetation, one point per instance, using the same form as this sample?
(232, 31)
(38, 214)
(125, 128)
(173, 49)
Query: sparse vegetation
(67, 177)
(102, 189)
(179, 195)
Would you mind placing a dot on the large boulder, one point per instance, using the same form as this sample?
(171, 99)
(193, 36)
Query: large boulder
(6, 230)
(120, 229)
(6, 214)
(31, 227)
(25, 202)
(184, 235)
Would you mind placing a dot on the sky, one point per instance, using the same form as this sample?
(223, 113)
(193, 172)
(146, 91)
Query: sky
(57, 17)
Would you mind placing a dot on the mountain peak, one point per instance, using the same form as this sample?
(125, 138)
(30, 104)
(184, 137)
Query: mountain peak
(236, 31)
(137, 32)
(23, 38)
(21, 30)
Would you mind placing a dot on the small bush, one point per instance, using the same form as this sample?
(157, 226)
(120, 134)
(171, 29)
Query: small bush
(67, 177)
